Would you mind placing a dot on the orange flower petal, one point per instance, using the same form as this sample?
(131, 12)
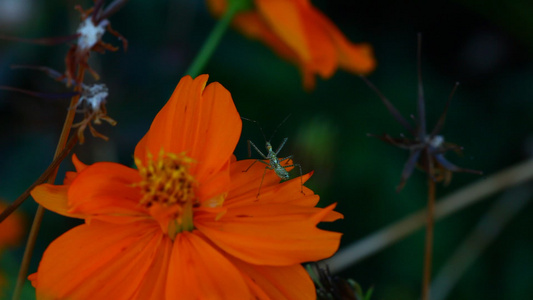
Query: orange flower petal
(202, 122)
(300, 33)
(155, 280)
(11, 229)
(324, 59)
(54, 198)
(217, 7)
(78, 164)
(106, 191)
(285, 19)
(356, 58)
(198, 271)
(253, 26)
(272, 234)
(285, 282)
(79, 263)
(69, 177)
(245, 185)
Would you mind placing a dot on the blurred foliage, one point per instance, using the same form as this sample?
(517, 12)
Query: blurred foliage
(486, 46)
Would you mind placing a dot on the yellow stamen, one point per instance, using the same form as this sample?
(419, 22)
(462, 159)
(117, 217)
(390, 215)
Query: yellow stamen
(169, 191)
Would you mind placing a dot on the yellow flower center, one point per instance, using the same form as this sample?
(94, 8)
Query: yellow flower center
(168, 191)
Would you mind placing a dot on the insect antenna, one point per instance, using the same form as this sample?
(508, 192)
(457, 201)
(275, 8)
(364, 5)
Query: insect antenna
(250, 142)
(260, 128)
(277, 127)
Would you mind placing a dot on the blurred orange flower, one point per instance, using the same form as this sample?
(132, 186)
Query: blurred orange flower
(11, 229)
(187, 224)
(299, 32)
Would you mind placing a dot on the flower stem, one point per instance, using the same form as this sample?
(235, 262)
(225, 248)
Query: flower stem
(428, 253)
(44, 177)
(452, 203)
(30, 244)
(213, 39)
(506, 207)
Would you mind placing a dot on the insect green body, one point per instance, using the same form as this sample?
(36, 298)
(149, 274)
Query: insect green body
(272, 161)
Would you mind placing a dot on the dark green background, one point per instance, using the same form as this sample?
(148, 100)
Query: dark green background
(484, 45)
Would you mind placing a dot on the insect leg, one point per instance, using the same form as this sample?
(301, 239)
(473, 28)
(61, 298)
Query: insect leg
(301, 173)
(301, 179)
(281, 146)
(277, 127)
(261, 184)
(285, 158)
(257, 160)
(250, 143)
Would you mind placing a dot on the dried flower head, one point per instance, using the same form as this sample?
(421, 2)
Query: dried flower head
(425, 150)
(89, 34)
(92, 27)
(329, 287)
(92, 101)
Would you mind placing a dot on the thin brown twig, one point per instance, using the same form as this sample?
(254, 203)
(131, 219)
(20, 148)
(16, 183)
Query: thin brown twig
(52, 168)
(428, 249)
(488, 228)
(466, 196)
(111, 9)
(30, 244)
(41, 41)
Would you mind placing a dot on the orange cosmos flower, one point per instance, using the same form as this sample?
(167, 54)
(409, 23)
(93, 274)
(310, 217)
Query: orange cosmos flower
(11, 229)
(299, 32)
(187, 223)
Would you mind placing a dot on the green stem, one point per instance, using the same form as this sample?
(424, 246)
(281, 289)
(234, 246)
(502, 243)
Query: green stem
(213, 39)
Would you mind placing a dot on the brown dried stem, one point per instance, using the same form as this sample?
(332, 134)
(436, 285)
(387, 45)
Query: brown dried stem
(511, 203)
(52, 169)
(30, 244)
(461, 199)
(428, 249)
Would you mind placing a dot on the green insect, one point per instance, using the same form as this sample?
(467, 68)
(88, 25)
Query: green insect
(271, 159)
